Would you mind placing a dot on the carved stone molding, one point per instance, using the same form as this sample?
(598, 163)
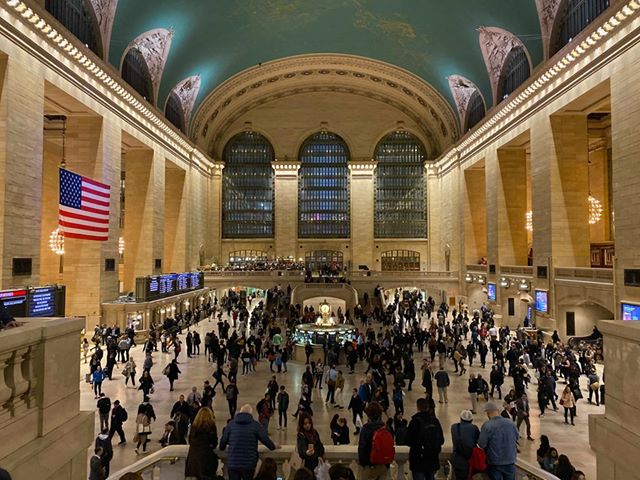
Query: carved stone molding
(462, 89)
(154, 46)
(547, 12)
(187, 91)
(105, 11)
(496, 44)
(344, 73)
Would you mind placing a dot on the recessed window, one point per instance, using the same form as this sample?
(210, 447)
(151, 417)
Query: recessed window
(400, 261)
(475, 111)
(174, 112)
(78, 17)
(515, 71)
(136, 73)
(573, 17)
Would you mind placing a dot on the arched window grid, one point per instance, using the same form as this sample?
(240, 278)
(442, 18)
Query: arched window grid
(400, 261)
(575, 16)
(475, 111)
(515, 72)
(399, 187)
(136, 73)
(323, 192)
(247, 190)
(247, 257)
(319, 260)
(77, 17)
(174, 112)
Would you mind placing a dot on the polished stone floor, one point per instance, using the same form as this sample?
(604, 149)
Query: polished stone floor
(570, 440)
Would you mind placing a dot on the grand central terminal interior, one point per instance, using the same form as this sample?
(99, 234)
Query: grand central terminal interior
(344, 200)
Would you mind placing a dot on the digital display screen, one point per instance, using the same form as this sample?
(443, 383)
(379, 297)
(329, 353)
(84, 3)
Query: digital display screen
(42, 302)
(15, 302)
(529, 312)
(182, 281)
(542, 297)
(161, 286)
(195, 281)
(154, 284)
(167, 284)
(630, 311)
(491, 291)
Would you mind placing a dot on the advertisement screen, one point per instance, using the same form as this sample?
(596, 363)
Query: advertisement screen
(42, 302)
(542, 301)
(491, 291)
(630, 311)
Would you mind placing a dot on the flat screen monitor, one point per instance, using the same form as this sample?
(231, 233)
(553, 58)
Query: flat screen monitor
(630, 311)
(491, 291)
(542, 301)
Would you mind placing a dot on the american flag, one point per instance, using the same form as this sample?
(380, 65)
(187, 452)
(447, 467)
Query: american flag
(83, 211)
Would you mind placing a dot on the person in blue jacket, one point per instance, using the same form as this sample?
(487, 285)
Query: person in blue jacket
(97, 378)
(241, 436)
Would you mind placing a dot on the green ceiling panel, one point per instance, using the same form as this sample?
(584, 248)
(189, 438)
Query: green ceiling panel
(219, 38)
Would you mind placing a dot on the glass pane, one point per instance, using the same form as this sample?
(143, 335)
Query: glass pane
(136, 73)
(401, 261)
(399, 190)
(173, 112)
(247, 188)
(515, 73)
(476, 111)
(77, 17)
(575, 17)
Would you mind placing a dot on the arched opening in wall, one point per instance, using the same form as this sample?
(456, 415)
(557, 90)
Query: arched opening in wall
(579, 319)
(136, 73)
(400, 261)
(574, 16)
(247, 188)
(174, 112)
(475, 111)
(515, 71)
(248, 258)
(324, 262)
(323, 192)
(79, 18)
(399, 187)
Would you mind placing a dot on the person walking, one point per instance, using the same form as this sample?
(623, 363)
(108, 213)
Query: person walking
(231, 393)
(143, 427)
(425, 439)
(332, 376)
(442, 382)
(370, 470)
(356, 405)
(146, 384)
(96, 470)
(427, 381)
(264, 411)
(464, 437)
(522, 415)
(129, 372)
(103, 441)
(118, 417)
(568, 401)
(202, 461)
(172, 371)
(283, 406)
(241, 436)
(104, 409)
(499, 439)
(97, 378)
(472, 389)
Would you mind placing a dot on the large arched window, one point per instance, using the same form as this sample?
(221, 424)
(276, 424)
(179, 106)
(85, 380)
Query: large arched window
(326, 261)
(78, 17)
(399, 188)
(323, 194)
(242, 258)
(400, 261)
(174, 112)
(247, 205)
(515, 72)
(573, 17)
(136, 73)
(475, 111)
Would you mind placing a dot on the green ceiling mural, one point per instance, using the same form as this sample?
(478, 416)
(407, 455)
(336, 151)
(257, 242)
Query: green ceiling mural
(219, 38)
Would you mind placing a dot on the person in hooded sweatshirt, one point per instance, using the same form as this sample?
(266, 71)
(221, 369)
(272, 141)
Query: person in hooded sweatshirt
(241, 436)
(103, 441)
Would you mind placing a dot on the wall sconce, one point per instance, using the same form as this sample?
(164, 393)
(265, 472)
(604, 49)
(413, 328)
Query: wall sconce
(481, 279)
(524, 286)
(468, 278)
(505, 282)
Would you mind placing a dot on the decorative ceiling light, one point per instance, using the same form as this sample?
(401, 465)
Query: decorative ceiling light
(528, 221)
(595, 210)
(121, 245)
(56, 242)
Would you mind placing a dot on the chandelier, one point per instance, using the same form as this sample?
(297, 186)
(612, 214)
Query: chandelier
(528, 221)
(121, 245)
(595, 210)
(56, 242)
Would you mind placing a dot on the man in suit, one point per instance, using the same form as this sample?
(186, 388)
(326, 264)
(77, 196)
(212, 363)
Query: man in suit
(522, 408)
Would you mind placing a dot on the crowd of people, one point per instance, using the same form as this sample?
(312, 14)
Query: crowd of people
(386, 347)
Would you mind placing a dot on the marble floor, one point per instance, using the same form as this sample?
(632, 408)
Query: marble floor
(570, 440)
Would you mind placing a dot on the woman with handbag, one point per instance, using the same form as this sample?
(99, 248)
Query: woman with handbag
(202, 461)
(568, 401)
(146, 383)
(310, 448)
(143, 427)
(129, 372)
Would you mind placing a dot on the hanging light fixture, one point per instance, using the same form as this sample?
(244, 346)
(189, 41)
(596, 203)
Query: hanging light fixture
(121, 245)
(528, 221)
(595, 210)
(56, 242)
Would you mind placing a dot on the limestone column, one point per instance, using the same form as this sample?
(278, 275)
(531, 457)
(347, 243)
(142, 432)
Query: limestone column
(175, 220)
(492, 172)
(214, 230)
(21, 147)
(144, 217)
(362, 213)
(286, 208)
(511, 193)
(93, 149)
(475, 215)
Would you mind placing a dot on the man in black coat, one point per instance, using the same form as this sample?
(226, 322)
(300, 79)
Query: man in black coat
(104, 407)
(425, 440)
(118, 417)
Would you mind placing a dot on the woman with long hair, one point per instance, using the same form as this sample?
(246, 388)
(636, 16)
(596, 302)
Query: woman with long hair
(310, 448)
(568, 401)
(143, 427)
(268, 470)
(202, 462)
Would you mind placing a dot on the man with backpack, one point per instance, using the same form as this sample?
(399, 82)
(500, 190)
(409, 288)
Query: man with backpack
(118, 417)
(376, 449)
(425, 439)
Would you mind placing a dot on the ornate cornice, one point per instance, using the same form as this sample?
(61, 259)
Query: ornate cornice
(496, 44)
(187, 91)
(154, 46)
(547, 11)
(346, 73)
(105, 11)
(462, 89)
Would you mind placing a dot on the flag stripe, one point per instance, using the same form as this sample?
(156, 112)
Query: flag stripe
(88, 189)
(70, 216)
(83, 236)
(72, 212)
(83, 226)
(96, 184)
(87, 197)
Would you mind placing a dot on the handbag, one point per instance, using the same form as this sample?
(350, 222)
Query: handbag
(321, 472)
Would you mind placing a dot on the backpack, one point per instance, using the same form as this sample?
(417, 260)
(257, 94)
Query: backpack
(465, 450)
(230, 393)
(397, 396)
(431, 441)
(125, 415)
(382, 450)
(477, 461)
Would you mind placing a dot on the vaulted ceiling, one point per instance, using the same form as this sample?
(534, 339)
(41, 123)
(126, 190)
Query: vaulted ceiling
(433, 39)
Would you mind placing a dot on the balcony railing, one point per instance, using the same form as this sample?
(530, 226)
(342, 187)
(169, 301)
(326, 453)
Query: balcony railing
(405, 274)
(168, 463)
(519, 270)
(595, 275)
(253, 273)
(477, 268)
